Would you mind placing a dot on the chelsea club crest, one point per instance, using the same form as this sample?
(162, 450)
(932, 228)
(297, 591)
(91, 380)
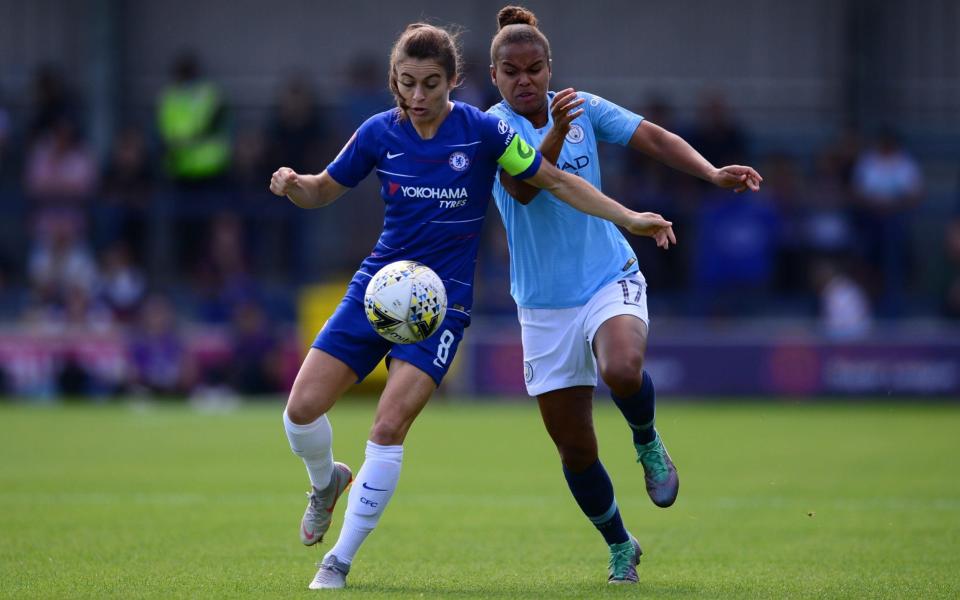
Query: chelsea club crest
(458, 161)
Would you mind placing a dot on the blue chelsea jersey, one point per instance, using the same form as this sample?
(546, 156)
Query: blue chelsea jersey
(436, 191)
(559, 256)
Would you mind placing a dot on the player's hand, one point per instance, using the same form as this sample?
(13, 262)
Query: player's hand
(284, 181)
(562, 109)
(652, 225)
(738, 178)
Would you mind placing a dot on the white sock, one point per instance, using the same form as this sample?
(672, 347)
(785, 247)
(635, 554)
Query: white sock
(313, 443)
(372, 488)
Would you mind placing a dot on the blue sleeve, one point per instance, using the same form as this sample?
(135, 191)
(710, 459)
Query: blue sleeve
(612, 123)
(511, 152)
(357, 158)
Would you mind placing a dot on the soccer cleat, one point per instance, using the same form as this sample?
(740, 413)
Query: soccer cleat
(624, 559)
(659, 472)
(331, 576)
(316, 519)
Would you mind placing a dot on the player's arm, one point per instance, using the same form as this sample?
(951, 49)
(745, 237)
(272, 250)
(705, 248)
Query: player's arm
(306, 191)
(562, 107)
(579, 194)
(673, 151)
(524, 163)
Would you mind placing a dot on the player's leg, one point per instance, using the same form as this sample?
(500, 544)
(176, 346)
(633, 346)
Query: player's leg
(345, 351)
(321, 380)
(568, 416)
(415, 372)
(618, 318)
(407, 391)
(620, 344)
(559, 369)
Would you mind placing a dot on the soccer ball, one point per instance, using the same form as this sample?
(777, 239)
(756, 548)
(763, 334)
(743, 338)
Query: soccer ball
(405, 302)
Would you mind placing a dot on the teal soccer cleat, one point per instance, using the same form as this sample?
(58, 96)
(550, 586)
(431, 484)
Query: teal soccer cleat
(659, 472)
(624, 559)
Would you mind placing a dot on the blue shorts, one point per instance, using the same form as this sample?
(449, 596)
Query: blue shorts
(348, 336)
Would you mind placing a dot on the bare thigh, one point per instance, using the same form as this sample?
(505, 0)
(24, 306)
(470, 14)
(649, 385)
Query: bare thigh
(619, 345)
(322, 379)
(407, 391)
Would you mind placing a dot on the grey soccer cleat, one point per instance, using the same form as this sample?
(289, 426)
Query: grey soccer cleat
(624, 559)
(317, 517)
(331, 576)
(659, 472)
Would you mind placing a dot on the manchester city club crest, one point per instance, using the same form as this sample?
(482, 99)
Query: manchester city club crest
(575, 135)
(458, 161)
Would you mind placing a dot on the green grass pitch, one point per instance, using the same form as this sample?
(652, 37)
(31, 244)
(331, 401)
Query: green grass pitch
(776, 501)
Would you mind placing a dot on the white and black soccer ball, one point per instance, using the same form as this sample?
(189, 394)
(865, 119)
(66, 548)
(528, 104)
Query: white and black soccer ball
(405, 302)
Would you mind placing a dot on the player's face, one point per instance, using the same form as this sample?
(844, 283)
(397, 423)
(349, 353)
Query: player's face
(522, 74)
(425, 89)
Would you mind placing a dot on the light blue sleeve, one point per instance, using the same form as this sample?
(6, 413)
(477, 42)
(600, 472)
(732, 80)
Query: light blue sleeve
(613, 124)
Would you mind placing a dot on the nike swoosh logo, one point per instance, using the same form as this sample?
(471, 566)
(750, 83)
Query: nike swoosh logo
(309, 535)
(372, 488)
(390, 155)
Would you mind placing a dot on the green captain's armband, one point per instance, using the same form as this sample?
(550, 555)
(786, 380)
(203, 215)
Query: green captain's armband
(518, 156)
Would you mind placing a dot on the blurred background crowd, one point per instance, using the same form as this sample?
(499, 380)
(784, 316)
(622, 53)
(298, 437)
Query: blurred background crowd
(140, 226)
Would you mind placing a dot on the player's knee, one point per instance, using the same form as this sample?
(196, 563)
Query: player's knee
(577, 457)
(302, 409)
(624, 374)
(388, 432)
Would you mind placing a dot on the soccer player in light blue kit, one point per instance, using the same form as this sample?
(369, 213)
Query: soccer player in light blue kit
(580, 295)
(436, 161)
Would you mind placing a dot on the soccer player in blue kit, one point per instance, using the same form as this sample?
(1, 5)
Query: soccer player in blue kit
(580, 295)
(436, 161)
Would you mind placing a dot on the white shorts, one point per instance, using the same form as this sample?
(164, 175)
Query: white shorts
(558, 342)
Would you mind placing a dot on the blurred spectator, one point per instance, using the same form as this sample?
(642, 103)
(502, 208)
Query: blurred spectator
(122, 283)
(649, 185)
(255, 365)
(60, 262)
(77, 312)
(84, 313)
(887, 183)
(826, 228)
(475, 88)
(298, 134)
(736, 248)
(844, 306)
(952, 243)
(123, 208)
(6, 136)
(365, 94)
(250, 167)
(843, 151)
(159, 360)
(716, 135)
(51, 102)
(191, 118)
(783, 188)
(60, 168)
(223, 280)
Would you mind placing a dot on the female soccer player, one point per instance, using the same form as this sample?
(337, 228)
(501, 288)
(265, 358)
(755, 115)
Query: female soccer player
(580, 295)
(436, 161)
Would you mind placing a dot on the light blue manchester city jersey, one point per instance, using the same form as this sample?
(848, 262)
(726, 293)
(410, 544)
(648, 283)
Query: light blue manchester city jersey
(559, 256)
